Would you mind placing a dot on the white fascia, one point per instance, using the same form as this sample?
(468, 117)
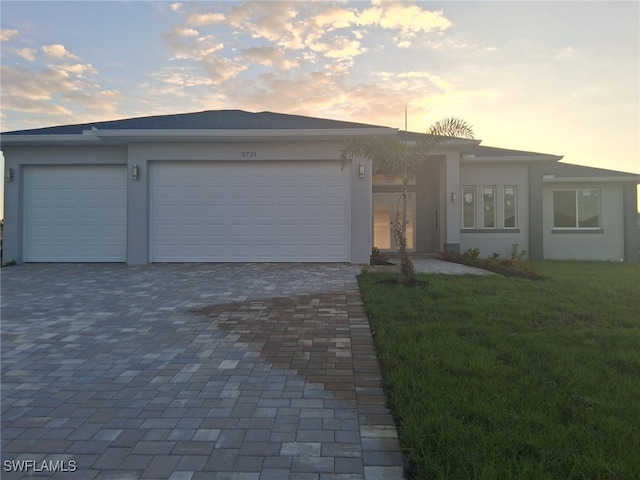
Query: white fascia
(69, 139)
(237, 135)
(470, 160)
(96, 136)
(456, 143)
(553, 179)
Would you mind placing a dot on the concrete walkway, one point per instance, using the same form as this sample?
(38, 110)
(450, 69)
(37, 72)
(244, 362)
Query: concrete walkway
(430, 265)
(191, 372)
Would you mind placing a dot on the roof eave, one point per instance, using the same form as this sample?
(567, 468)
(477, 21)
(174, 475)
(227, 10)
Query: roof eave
(238, 135)
(602, 179)
(96, 136)
(454, 143)
(511, 158)
(43, 140)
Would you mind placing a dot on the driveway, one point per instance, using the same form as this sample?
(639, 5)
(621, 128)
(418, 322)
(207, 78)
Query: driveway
(189, 372)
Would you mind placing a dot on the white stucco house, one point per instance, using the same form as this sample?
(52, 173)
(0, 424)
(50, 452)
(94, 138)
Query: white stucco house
(234, 186)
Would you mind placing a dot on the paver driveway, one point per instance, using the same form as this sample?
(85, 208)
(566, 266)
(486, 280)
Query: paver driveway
(191, 371)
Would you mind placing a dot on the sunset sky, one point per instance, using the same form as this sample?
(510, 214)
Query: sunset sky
(552, 77)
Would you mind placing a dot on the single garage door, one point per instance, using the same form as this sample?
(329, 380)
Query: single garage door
(75, 213)
(286, 211)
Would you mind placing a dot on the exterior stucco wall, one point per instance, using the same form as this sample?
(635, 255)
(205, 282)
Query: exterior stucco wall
(17, 158)
(451, 213)
(499, 239)
(606, 243)
(143, 154)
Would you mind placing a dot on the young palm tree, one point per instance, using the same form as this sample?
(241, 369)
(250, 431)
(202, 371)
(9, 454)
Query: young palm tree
(394, 156)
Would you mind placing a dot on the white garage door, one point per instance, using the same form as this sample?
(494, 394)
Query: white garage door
(75, 213)
(250, 212)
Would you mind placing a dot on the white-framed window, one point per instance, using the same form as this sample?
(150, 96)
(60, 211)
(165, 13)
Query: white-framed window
(469, 206)
(510, 206)
(577, 209)
(488, 207)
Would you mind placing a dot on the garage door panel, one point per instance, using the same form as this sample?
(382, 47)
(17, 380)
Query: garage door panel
(250, 211)
(75, 213)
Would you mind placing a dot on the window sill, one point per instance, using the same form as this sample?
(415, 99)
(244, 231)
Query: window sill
(578, 231)
(490, 230)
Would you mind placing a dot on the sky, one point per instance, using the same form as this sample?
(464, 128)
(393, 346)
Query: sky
(551, 77)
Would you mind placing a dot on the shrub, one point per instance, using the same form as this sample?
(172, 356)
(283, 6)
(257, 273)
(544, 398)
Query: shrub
(377, 258)
(471, 254)
(517, 265)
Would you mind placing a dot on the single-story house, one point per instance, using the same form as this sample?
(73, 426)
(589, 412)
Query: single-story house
(234, 186)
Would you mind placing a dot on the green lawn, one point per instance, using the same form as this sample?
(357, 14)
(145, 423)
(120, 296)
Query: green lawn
(507, 378)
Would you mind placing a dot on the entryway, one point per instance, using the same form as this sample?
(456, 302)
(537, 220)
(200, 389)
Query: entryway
(385, 206)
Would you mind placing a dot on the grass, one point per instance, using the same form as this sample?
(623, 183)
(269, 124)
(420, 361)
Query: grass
(492, 377)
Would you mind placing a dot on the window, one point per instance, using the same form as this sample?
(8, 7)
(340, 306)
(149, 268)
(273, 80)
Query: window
(509, 207)
(489, 207)
(576, 208)
(468, 207)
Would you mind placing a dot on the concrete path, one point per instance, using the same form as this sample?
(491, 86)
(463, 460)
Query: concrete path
(191, 372)
(431, 265)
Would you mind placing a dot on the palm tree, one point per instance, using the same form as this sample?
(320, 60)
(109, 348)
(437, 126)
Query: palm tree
(396, 157)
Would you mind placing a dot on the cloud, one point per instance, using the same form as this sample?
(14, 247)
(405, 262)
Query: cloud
(56, 87)
(339, 48)
(269, 56)
(201, 19)
(297, 56)
(408, 20)
(7, 34)
(568, 53)
(27, 54)
(100, 103)
(57, 51)
(269, 20)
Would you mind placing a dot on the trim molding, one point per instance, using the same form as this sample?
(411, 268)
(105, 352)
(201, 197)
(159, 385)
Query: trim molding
(490, 230)
(576, 231)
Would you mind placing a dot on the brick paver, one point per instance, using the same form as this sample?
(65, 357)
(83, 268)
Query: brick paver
(189, 371)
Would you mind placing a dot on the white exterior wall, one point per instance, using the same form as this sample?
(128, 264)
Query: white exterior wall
(497, 240)
(604, 244)
(142, 154)
(17, 158)
(452, 217)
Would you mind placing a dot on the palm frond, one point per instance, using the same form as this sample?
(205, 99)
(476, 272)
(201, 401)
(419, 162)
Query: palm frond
(451, 127)
(387, 153)
(442, 130)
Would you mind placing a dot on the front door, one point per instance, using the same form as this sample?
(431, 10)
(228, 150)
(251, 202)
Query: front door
(385, 206)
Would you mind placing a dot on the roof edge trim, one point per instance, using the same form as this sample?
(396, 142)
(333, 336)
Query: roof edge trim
(319, 132)
(511, 158)
(631, 179)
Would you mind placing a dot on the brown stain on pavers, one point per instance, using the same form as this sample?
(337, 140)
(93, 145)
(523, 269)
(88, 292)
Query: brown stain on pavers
(307, 334)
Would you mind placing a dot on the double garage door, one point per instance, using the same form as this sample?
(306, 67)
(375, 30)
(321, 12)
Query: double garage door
(198, 212)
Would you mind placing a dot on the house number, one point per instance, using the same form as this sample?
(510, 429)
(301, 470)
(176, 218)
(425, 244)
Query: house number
(249, 154)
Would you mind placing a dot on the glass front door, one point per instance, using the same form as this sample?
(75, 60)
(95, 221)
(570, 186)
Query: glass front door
(385, 206)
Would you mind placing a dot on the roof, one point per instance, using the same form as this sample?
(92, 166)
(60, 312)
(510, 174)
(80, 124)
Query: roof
(494, 152)
(559, 172)
(473, 151)
(206, 120)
